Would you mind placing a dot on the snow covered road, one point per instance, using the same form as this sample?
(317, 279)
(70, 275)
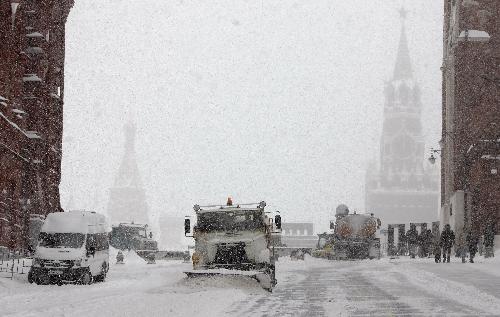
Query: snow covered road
(400, 287)
(315, 287)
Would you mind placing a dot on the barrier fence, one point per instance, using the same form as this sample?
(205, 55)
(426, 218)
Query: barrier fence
(11, 264)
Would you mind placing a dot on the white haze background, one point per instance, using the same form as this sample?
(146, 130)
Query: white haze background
(275, 100)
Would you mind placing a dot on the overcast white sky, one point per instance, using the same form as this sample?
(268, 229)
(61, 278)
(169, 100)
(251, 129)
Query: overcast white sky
(275, 100)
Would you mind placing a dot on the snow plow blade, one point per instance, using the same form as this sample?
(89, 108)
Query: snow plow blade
(263, 278)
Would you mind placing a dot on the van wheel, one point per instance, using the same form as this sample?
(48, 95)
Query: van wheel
(30, 278)
(86, 278)
(101, 277)
(42, 279)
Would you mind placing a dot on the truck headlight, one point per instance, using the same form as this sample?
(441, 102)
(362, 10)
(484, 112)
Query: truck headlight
(77, 262)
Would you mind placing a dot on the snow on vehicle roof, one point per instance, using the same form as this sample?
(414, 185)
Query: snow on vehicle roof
(75, 222)
(228, 209)
(134, 225)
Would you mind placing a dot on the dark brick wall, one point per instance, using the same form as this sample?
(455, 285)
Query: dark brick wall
(31, 79)
(471, 109)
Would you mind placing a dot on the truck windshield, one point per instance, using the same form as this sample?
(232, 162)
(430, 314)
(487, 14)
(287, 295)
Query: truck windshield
(61, 240)
(229, 221)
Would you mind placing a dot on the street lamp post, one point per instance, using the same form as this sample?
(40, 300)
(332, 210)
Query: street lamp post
(464, 230)
(432, 158)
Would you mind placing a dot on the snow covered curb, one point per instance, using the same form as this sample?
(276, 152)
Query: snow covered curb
(450, 289)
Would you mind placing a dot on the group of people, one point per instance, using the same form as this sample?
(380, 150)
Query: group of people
(420, 244)
(425, 243)
(447, 240)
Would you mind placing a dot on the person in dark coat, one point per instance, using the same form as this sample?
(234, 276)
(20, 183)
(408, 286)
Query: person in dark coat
(472, 241)
(412, 239)
(447, 241)
(437, 249)
(427, 243)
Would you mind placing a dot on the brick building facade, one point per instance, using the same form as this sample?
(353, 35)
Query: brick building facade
(470, 144)
(31, 112)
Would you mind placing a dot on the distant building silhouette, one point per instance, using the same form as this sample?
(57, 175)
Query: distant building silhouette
(298, 235)
(127, 199)
(401, 190)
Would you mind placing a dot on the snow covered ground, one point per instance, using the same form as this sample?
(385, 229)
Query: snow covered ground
(314, 287)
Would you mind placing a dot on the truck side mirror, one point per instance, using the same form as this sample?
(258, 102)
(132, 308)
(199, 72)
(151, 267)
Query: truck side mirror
(277, 222)
(187, 226)
(332, 225)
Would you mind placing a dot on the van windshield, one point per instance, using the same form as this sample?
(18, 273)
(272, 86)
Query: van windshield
(61, 240)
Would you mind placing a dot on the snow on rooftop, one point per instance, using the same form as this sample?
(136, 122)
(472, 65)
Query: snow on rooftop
(18, 111)
(31, 78)
(491, 157)
(32, 134)
(11, 123)
(474, 36)
(34, 35)
(33, 50)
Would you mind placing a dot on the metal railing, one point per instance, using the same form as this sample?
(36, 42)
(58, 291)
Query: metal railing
(11, 264)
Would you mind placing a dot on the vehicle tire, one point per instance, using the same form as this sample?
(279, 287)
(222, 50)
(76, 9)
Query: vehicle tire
(86, 278)
(30, 278)
(43, 279)
(272, 273)
(102, 277)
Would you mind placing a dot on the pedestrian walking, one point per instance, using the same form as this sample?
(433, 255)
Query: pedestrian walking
(461, 246)
(412, 239)
(436, 245)
(447, 241)
(119, 258)
(480, 245)
(427, 243)
(489, 238)
(472, 241)
(420, 243)
(437, 250)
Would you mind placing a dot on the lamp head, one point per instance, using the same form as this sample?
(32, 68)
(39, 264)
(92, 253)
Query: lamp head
(432, 159)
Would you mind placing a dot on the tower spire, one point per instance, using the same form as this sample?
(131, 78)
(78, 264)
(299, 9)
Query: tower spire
(127, 199)
(402, 70)
(128, 173)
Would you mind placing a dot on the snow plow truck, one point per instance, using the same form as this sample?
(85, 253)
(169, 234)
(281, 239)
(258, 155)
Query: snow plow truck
(353, 237)
(234, 240)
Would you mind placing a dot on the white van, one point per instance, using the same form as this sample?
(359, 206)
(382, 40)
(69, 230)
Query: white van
(73, 247)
